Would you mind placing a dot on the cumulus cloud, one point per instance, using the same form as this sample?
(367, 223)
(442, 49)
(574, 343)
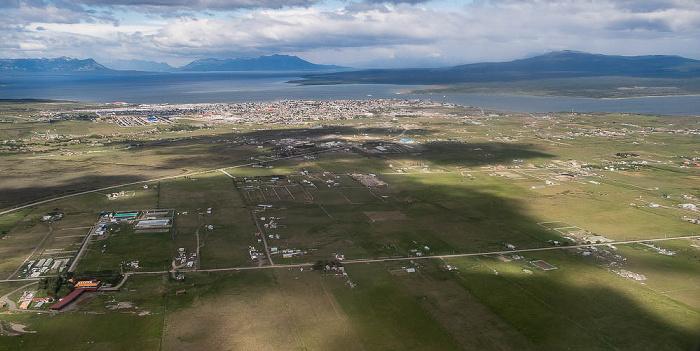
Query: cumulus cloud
(32, 46)
(366, 33)
(295, 30)
(198, 5)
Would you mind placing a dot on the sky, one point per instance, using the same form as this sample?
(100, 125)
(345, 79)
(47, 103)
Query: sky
(355, 33)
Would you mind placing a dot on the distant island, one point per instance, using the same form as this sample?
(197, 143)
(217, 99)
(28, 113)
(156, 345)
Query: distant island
(262, 63)
(138, 65)
(561, 73)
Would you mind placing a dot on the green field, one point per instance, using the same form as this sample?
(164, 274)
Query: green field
(470, 184)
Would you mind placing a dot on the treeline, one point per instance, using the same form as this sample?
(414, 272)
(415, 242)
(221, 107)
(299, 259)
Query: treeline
(52, 285)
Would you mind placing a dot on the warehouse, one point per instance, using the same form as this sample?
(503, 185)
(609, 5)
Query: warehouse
(152, 223)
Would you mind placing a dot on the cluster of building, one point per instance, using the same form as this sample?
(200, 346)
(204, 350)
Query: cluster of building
(691, 220)
(688, 206)
(116, 195)
(183, 259)
(131, 264)
(368, 180)
(285, 111)
(80, 287)
(35, 268)
(27, 298)
(142, 220)
(255, 254)
(138, 121)
(658, 249)
(272, 222)
(287, 253)
(421, 251)
(628, 274)
(52, 217)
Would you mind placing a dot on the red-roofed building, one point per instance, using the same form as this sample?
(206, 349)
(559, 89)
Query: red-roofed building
(66, 300)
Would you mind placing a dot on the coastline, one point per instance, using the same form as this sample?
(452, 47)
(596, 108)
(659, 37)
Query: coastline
(430, 92)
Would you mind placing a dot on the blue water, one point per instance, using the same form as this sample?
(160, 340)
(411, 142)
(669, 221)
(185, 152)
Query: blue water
(667, 105)
(269, 86)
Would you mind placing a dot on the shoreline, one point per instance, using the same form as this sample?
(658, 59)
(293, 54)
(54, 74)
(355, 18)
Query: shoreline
(428, 92)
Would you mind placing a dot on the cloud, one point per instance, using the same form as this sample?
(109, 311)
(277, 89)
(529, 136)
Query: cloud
(360, 33)
(396, 2)
(9, 4)
(645, 6)
(32, 46)
(24, 12)
(294, 30)
(640, 25)
(199, 5)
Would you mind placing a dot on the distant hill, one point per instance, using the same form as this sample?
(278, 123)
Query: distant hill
(61, 64)
(561, 64)
(138, 65)
(262, 63)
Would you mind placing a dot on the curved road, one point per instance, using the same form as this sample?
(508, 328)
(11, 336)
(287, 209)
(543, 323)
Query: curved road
(11, 304)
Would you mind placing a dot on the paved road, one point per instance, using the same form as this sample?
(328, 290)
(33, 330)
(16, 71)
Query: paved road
(303, 265)
(118, 286)
(25, 280)
(159, 179)
(519, 250)
(374, 260)
(81, 252)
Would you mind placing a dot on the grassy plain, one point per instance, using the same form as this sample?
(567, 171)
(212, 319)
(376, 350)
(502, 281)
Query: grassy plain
(465, 186)
(93, 324)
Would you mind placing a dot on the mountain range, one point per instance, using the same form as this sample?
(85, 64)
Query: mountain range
(70, 65)
(561, 73)
(60, 64)
(262, 63)
(560, 64)
(138, 65)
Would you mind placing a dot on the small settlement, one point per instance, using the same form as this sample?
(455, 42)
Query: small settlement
(80, 287)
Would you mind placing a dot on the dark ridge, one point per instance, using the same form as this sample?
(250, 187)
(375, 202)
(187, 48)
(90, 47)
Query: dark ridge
(560, 64)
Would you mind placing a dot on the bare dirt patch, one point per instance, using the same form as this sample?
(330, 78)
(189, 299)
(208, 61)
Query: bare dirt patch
(510, 175)
(80, 302)
(632, 174)
(20, 328)
(378, 216)
(13, 329)
(121, 305)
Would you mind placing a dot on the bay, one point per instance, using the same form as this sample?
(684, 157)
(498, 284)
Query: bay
(200, 87)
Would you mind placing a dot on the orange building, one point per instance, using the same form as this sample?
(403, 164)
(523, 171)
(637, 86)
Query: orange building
(88, 284)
